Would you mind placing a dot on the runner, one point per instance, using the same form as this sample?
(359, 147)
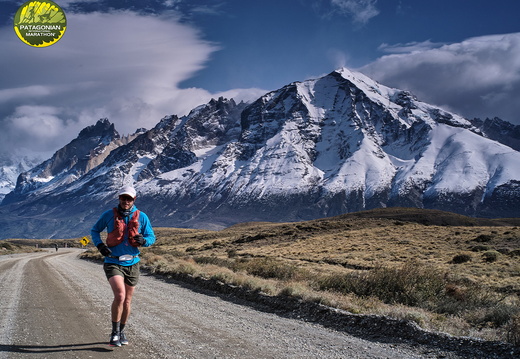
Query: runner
(127, 228)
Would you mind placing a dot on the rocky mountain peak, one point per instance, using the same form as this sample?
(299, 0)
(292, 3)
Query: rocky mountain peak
(103, 129)
(314, 148)
(79, 156)
(499, 130)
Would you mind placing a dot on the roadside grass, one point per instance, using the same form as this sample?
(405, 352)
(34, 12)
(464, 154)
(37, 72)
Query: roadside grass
(14, 247)
(445, 272)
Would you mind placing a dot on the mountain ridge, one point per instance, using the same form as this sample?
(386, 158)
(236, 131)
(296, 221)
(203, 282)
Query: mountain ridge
(316, 148)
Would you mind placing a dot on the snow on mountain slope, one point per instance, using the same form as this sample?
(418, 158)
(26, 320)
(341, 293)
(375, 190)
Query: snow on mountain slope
(69, 163)
(311, 149)
(458, 160)
(10, 169)
(345, 134)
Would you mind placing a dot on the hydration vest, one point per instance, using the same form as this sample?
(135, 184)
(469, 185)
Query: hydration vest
(121, 228)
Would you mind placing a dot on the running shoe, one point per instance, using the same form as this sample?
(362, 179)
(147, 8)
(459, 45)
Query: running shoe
(115, 339)
(123, 339)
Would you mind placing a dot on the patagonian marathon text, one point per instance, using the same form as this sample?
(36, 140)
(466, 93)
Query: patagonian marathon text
(40, 27)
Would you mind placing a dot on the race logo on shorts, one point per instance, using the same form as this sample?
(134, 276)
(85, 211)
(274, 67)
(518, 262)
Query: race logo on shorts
(40, 23)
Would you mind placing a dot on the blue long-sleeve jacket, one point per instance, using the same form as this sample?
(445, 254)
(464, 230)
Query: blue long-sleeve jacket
(106, 221)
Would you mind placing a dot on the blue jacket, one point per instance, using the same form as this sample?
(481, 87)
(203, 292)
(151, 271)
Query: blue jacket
(106, 221)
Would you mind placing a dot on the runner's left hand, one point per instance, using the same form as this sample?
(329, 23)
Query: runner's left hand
(139, 239)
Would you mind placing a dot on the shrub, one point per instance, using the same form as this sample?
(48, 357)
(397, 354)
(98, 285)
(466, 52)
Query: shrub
(476, 303)
(412, 284)
(267, 268)
(455, 291)
(343, 283)
(480, 248)
(500, 314)
(221, 262)
(8, 246)
(515, 253)
(483, 238)
(504, 251)
(490, 256)
(513, 330)
(180, 268)
(461, 258)
(494, 314)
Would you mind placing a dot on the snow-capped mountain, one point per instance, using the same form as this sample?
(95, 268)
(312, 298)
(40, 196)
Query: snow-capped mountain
(10, 169)
(499, 130)
(316, 148)
(68, 164)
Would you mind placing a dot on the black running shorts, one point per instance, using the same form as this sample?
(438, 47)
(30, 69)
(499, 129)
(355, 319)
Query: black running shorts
(129, 273)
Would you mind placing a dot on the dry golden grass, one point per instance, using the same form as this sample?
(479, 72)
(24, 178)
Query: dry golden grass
(346, 244)
(12, 247)
(462, 273)
(481, 258)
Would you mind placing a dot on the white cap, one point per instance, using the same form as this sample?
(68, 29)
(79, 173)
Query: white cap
(128, 190)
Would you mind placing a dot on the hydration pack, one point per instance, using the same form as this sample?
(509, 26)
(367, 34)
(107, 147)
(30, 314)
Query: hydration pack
(121, 229)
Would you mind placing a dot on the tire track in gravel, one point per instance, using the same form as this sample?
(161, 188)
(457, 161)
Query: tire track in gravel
(52, 313)
(11, 269)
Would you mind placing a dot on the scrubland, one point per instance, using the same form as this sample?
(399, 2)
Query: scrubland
(445, 272)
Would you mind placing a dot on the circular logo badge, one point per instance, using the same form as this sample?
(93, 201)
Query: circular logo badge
(40, 23)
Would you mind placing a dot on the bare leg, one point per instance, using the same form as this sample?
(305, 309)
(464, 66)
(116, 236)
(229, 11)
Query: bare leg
(117, 284)
(122, 304)
(127, 304)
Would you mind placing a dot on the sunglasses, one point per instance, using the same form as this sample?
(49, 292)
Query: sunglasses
(126, 198)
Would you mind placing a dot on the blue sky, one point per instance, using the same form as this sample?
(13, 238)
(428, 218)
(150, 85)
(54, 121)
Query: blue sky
(270, 43)
(136, 62)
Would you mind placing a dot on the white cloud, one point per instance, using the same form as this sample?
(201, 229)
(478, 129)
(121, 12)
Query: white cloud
(119, 65)
(338, 58)
(409, 47)
(361, 10)
(479, 77)
(246, 95)
(39, 124)
(28, 92)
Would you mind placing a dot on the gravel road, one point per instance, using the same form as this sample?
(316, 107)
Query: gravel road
(54, 305)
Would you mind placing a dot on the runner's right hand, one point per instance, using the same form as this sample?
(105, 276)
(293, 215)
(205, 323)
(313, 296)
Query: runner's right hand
(103, 249)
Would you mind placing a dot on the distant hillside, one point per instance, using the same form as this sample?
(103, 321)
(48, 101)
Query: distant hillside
(430, 217)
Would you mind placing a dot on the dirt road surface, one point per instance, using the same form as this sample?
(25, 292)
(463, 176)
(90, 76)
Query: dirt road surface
(54, 305)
